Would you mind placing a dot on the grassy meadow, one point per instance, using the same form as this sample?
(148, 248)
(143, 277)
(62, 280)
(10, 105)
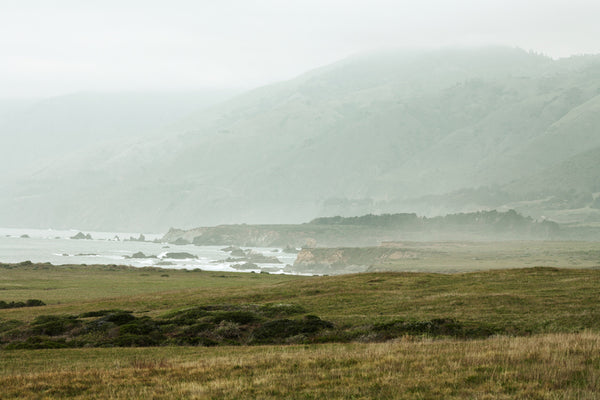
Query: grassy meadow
(500, 333)
(554, 366)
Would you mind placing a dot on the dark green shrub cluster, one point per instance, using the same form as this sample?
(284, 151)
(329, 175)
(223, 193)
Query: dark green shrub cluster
(212, 325)
(434, 327)
(38, 342)
(53, 325)
(99, 313)
(279, 329)
(208, 325)
(19, 304)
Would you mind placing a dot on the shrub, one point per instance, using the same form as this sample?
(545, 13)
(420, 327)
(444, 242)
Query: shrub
(119, 317)
(133, 340)
(53, 325)
(284, 328)
(189, 316)
(142, 326)
(240, 317)
(434, 327)
(198, 328)
(34, 303)
(228, 330)
(101, 313)
(38, 342)
(19, 304)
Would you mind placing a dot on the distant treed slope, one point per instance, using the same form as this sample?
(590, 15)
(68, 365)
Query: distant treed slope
(578, 174)
(371, 229)
(382, 127)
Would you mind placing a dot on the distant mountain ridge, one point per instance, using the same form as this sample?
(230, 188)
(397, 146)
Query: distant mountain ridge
(369, 134)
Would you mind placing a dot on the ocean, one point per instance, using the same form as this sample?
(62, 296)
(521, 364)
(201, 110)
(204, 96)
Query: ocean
(57, 247)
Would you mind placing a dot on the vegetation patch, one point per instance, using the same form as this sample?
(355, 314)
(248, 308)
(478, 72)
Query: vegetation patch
(207, 325)
(212, 325)
(21, 304)
(434, 327)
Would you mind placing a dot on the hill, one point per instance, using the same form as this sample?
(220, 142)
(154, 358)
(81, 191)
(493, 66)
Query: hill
(36, 132)
(364, 135)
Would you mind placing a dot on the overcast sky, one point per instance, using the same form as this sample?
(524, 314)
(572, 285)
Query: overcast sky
(51, 47)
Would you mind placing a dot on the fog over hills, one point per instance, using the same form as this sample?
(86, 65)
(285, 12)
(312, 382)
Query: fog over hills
(367, 134)
(35, 132)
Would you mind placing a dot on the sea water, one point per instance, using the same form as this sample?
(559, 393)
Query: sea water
(57, 247)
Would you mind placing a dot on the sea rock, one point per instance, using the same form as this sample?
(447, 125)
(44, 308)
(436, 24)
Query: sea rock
(238, 253)
(81, 235)
(139, 254)
(290, 250)
(179, 256)
(229, 248)
(261, 258)
(257, 258)
(245, 266)
(141, 238)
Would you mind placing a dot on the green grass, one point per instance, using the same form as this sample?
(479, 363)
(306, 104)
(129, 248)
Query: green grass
(76, 288)
(548, 319)
(473, 256)
(532, 300)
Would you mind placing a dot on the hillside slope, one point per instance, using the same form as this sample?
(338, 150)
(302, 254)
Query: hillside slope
(369, 130)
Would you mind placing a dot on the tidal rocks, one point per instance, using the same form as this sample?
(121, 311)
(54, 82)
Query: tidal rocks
(140, 238)
(82, 235)
(179, 256)
(237, 253)
(139, 254)
(245, 266)
(290, 250)
(180, 242)
(229, 248)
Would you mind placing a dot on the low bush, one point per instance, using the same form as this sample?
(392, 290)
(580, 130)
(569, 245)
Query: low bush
(240, 317)
(20, 304)
(53, 325)
(141, 326)
(434, 327)
(38, 342)
(133, 340)
(119, 317)
(101, 313)
(276, 330)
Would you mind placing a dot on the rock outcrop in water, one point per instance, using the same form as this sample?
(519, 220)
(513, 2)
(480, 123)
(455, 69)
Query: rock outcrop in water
(81, 235)
(179, 256)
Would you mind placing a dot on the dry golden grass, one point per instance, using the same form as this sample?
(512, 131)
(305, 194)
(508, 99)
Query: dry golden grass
(557, 366)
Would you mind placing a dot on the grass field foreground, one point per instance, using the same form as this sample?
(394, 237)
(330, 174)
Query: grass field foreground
(557, 366)
(544, 343)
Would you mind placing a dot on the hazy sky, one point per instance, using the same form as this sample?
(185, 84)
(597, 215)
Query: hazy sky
(50, 47)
